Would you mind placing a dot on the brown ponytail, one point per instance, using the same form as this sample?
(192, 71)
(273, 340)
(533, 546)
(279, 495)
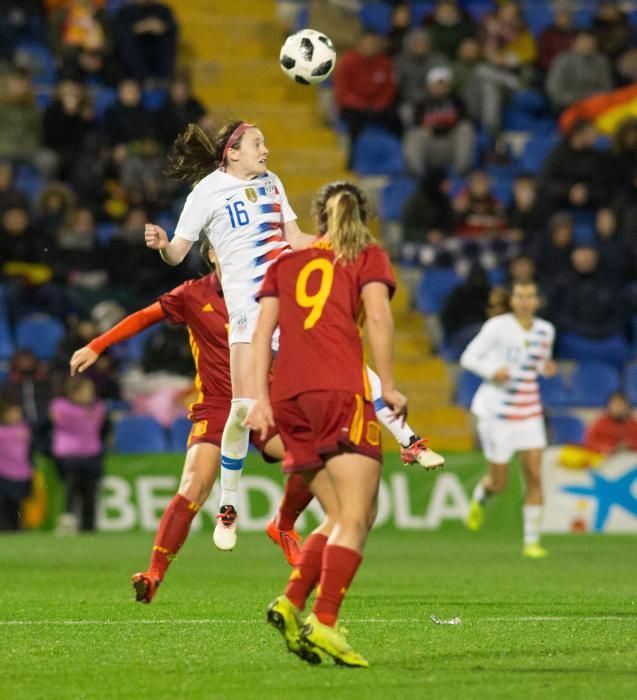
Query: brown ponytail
(341, 213)
(195, 155)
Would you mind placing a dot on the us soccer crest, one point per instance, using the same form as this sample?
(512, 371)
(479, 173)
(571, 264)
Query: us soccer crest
(251, 194)
(270, 189)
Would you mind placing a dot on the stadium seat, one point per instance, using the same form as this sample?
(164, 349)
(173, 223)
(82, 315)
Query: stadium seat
(375, 17)
(630, 383)
(377, 152)
(553, 391)
(478, 8)
(435, 286)
(154, 99)
(538, 17)
(565, 429)
(6, 341)
(139, 434)
(393, 197)
(535, 152)
(103, 98)
(104, 231)
(41, 334)
(178, 434)
(466, 387)
(419, 10)
(40, 61)
(592, 383)
(612, 350)
(29, 181)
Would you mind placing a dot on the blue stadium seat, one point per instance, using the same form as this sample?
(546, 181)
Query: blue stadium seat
(394, 196)
(536, 149)
(6, 341)
(104, 231)
(435, 286)
(466, 387)
(630, 383)
(538, 16)
(565, 429)
(553, 391)
(178, 434)
(419, 10)
(103, 98)
(139, 434)
(478, 8)
(375, 17)
(29, 181)
(612, 350)
(377, 152)
(583, 17)
(40, 61)
(592, 383)
(154, 99)
(41, 334)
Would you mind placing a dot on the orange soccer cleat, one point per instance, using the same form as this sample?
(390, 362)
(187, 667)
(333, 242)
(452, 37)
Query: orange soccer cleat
(288, 540)
(145, 585)
(418, 453)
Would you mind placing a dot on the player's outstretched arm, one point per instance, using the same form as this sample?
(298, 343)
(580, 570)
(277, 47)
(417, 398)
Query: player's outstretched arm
(295, 237)
(83, 358)
(260, 417)
(172, 252)
(380, 331)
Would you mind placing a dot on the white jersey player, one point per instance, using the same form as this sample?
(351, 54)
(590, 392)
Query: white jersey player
(242, 208)
(509, 353)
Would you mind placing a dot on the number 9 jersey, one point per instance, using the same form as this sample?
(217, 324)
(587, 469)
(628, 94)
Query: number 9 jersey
(243, 219)
(321, 318)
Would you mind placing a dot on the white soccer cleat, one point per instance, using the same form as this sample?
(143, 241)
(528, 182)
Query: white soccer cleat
(225, 534)
(418, 453)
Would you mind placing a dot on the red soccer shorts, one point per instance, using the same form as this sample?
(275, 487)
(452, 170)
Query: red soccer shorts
(260, 444)
(208, 422)
(316, 424)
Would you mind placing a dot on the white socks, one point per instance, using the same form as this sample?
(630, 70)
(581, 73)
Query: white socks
(480, 494)
(401, 431)
(532, 519)
(234, 448)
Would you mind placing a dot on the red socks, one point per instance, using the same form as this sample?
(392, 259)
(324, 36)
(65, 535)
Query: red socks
(339, 568)
(173, 530)
(296, 496)
(308, 570)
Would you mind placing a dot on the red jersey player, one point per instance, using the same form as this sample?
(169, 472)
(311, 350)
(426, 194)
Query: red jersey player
(200, 305)
(319, 398)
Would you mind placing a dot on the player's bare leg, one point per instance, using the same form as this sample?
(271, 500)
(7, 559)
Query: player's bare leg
(296, 497)
(493, 482)
(199, 474)
(532, 509)
(234, 445)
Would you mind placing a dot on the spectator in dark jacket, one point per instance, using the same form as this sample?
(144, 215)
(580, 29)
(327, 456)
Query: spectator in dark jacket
(552, 251)
(441, 136)
(427, 214)
(576, 175)
(582, 303)
(179, 110)
(146, 34)
(557, 37)
(616, 257)
(612, 29)
(67, 121)
(10, 195)
(448, 25)
(127, 120)
(625, 166)
(524, 218)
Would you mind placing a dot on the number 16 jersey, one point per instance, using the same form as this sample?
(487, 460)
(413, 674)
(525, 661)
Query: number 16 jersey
(243, 221)
(320, 318)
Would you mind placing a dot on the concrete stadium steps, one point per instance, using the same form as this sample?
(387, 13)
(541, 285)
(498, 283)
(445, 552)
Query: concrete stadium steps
(232, 48)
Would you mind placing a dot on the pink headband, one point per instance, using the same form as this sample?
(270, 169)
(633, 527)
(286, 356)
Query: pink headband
(234, 137)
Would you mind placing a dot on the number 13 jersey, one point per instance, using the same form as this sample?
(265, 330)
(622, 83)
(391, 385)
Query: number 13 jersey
(320, 318)
(243, 220)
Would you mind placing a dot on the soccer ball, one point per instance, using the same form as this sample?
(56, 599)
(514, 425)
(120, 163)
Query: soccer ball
(307, 57)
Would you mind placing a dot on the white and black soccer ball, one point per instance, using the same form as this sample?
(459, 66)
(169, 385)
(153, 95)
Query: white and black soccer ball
(307, 57)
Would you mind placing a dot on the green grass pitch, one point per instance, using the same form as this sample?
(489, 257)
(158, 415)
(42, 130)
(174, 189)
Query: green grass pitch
(565, 627)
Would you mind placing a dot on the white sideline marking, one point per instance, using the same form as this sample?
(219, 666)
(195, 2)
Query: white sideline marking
(372, 620)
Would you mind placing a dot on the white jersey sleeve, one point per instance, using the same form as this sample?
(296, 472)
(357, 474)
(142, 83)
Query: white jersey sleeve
(195, 215)
(287, 213)
(479, 356)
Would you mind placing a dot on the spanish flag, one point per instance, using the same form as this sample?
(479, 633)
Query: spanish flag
(606, 109)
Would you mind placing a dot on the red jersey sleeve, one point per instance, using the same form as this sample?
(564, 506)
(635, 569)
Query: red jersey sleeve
(269, 286)
(173, 304)
(376, 267)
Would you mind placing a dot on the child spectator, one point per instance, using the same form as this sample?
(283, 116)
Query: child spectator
(615, 430)
(16, 468)
(78, 419)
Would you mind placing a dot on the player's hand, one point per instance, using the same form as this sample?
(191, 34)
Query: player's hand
(82, 359)
(155, 236)
(396, 402)
(501, 375)
(260, 418)
(550, 368)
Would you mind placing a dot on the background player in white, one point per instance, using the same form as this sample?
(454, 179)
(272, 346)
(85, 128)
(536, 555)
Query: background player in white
(509, 353)
(243, 210)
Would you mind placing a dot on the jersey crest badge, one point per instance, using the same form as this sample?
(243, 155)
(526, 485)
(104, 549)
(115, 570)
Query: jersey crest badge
(251, 194)
(270, 189)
